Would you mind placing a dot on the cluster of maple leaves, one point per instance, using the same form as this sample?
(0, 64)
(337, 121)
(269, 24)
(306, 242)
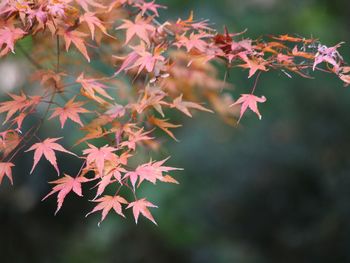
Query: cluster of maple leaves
(159, 66)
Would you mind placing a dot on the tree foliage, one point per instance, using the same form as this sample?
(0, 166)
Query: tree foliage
(160, 67)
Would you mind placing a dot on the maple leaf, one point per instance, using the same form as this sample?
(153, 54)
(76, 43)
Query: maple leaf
(147, 60)
(329, 55)
(140, 28)
(151, 171)
(183, 106)
(164, 125)
(92, 21)
(140, 206)
(149, 6)
(71, 110)
(9, 140)
(65, 185)
(6, 169)
(18, 103)
(135, 137)
(344, 76)
(106, 203)
(91, 87)
(8, 37)
(153, 96)
(193, 41)
(249, 100)
(108, 179)
(254, 65)
(11, 107)
(47, 148)
(98, 156)
(77, 38)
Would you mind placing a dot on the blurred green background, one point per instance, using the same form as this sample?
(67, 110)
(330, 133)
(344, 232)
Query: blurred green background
(276, 190)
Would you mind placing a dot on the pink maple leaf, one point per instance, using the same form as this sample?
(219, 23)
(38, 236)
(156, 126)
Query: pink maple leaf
(47, 148)
(249, 101)
(141, 206)
(70, 111)
(65, 185)
(8, 37)
(6, 170)
(140, 28)
(106, 203)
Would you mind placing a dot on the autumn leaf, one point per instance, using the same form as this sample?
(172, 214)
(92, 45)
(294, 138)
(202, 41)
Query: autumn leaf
(151, 171)
(92, 21)
(254, 65)
(106, 203)
(184, 106)
(136, 137)
(111, 176)
(18, 103)
(64, 186)
(70, 111)
(141, 206)
(6, 170)
(249, 101)
(98, 156)
(140, 28)
(91, 88)
(149, 7)
(78, 40)
(164, 125)
(329, 55)
(8, 37)
(47, 148)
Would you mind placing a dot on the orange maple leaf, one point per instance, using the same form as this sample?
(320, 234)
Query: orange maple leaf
(164, 125)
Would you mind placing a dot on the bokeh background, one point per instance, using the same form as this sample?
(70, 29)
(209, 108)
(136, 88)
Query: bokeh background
(276, 190)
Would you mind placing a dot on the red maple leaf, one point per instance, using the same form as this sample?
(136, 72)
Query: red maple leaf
(64, 186)
(47, 148)
(140, 206)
